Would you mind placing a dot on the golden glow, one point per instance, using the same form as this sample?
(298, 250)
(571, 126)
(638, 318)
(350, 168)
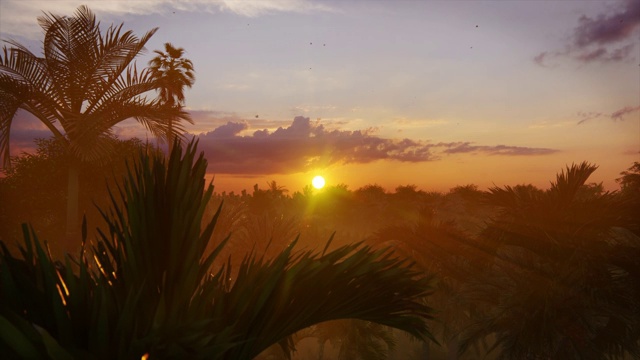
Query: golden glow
(64, 302)
(60, 290)
(318, 182)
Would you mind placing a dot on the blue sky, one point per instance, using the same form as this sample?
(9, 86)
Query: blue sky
(432, 93)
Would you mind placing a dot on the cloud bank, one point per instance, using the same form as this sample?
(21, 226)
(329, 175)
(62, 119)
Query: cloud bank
(608, 37)
(24, 13)
(237, 148)
(304, 145)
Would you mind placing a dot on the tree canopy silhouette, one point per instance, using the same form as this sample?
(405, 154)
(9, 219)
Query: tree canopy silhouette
(173, 73)
(84, 84)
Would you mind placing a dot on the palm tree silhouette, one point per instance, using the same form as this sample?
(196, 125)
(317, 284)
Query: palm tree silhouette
(173, 73)
(564, 279)
(80, 89)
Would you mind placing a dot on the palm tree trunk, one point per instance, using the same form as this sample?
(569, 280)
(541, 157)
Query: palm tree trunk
(321, 350)
(170, 138)
(72, 231)
(426, 350)
(452, 348)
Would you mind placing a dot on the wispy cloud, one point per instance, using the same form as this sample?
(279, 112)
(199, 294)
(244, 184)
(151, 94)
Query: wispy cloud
(540, 59)
(618, 115)
(467, 147)
(604, 55)
(24, 13)
(548, 124)
(588, 115)
(304, 145)
(256, 8)
(607, 37)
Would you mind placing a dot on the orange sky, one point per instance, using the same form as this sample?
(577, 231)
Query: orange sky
(431, 93)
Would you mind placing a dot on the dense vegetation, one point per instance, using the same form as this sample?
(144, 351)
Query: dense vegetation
(84, 83)
(532, 272)
(520, 272)
(147, 287)
(166, 268)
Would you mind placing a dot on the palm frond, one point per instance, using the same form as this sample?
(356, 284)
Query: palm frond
(149, 285)
(82, 74)
(558, 286)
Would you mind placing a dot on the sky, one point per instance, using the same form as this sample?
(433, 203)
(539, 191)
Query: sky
(430, 93)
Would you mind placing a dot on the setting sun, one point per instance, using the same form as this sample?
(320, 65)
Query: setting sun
(318, 182)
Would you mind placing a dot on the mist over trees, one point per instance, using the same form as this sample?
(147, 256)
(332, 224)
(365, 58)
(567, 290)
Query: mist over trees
(492, 256)
(164, 267)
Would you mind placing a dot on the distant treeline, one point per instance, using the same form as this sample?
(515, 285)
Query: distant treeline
(550, 273)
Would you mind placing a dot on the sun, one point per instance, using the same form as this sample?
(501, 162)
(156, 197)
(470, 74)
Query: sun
(318, 182)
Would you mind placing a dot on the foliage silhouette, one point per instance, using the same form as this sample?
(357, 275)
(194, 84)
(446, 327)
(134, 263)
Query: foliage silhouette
(630, 193)
(563, 279)
(34, 189)
(173, 73)
(85, 83)
(146, 287)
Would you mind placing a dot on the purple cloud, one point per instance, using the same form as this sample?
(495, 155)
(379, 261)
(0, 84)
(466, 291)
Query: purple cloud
(305, 144)
(607, 29)
(604, 55)
(616, 115)
(299, 146)
(539, 59)
(586, 116)
(294, 147)
(227, 130)
(619, 114)
(603, 38)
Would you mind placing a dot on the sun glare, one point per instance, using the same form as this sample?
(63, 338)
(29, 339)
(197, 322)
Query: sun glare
(318, 182)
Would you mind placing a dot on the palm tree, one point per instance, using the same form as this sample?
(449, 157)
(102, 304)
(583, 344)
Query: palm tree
(563, 283)
(450, 256)
(146, 285)
(355, 339)
(83, 86)
(173, 72)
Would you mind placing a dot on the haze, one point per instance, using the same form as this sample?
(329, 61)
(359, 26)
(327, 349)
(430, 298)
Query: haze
(432, 93)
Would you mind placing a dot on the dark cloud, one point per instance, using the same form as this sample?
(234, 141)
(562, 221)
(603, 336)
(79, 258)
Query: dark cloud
(586, 116)
(304, 145)
(228, 130)
(616, 115)
(300, 146)
(604, 38)
(619, 114)
(467, 147)
(539, 59)
(604, 55)
(606, 29)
